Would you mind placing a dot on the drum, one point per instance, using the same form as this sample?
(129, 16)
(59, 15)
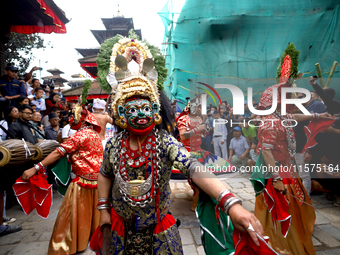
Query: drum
(13, 152)
(44, 148)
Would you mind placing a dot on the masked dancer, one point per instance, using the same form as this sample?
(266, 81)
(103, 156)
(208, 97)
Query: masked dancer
(133, 184)
(282, 204)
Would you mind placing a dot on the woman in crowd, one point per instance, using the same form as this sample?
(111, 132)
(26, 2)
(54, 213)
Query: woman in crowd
(53, 101)
(23, 100)
(11, 114)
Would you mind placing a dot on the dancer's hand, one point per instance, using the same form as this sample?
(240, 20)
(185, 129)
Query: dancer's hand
(105, 218)
(279, 186)
(28, 173)
(241, 219)
(325, 116)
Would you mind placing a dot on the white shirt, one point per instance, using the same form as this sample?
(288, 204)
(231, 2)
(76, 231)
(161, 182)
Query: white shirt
(45, 121)
(4, 124)
(220, 130)
(67, 131)
(29, 89)
(40, 104)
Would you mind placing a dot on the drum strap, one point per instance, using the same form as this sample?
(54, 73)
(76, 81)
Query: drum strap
(37, 130)
(9, 134)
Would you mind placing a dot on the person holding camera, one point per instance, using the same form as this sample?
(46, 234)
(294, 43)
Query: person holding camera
(327, 96)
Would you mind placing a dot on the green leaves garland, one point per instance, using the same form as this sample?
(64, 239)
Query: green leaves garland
(294, 56)
(85, 91)
(103, 61)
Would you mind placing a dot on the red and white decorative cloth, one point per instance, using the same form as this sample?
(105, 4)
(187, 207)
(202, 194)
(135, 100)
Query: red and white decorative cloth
(314, 127)
(36, 193)
(244, 245)
(278, 207)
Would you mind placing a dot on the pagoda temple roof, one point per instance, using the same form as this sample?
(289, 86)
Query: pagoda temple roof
(57, 80)
(55, 71)
(102, 35)
(94, 92)
(28, 13)
(88, 59)
(118, 23)
(88, 51)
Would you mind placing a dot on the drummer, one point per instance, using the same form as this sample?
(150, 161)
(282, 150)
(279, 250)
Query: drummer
(19, 129)
(22, 129)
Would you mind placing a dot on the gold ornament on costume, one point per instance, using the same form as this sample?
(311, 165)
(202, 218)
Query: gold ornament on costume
(157, 119)
(77, 109)
(121, 122)
(132, 73)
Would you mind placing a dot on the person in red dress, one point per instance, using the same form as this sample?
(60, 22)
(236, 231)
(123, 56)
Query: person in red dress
(53, 101)
(77, 218)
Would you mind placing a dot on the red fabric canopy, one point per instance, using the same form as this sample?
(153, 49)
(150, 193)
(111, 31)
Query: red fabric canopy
(58, 27)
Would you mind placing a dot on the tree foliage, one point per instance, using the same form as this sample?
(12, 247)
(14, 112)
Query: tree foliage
(18, 50)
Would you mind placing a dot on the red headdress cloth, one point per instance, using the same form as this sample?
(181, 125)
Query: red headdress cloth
(266, 99)
(35, 193)
(90, 118)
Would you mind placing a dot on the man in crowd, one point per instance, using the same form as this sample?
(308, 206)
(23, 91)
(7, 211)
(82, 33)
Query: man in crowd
(249, 131)
(314, 95)
(39, 101)
(238, 149)
(220, 136)
(35, 84)
(98, 112)
(22, 128)
(10, 87)
(45, 121)
(28, 80)
(247, 112)
(52, 130)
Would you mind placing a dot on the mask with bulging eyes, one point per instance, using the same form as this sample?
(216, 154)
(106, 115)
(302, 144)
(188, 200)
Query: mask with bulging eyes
(139, 113)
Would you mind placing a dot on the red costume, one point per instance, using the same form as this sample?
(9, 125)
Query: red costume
(78, 217)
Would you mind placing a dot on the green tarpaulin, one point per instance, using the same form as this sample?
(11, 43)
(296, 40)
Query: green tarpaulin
(241, 42)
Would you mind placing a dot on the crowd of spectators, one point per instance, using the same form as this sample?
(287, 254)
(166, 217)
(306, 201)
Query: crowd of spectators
(234, 138)
(33, 112)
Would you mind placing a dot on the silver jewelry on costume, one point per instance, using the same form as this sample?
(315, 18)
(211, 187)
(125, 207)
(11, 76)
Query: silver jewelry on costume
(63, 151)
(134, 190)
(222, 194)
(229, 203)
(103, 207)
(143, 190)
(103, 199)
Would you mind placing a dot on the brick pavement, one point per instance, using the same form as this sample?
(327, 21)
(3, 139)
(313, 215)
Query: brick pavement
(34, 238)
